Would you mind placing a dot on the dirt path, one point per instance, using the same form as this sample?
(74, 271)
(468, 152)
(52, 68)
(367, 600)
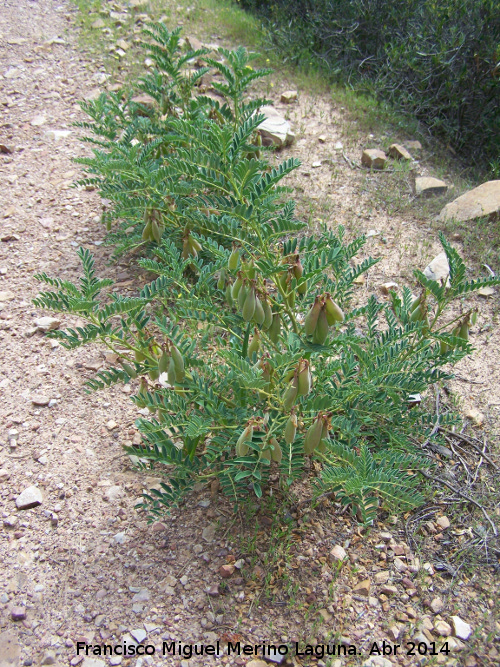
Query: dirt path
(83, 565)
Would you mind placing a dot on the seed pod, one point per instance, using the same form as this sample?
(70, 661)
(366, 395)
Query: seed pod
(473, 317)
(259, 316)
(163, 363)
(242, 296)
(416, 302)
(290, 429)
(464, 330)
(234, 258)
(334, 313)
(185, 249)
(248, 309)
(289, 374)
(276, 453)
(268, 315)
(147, 232)
(275, 328)
(254, 344)
(291, 299)
(265, 454)
(235, 290)
(304, 379)
(128, 369)
(290, 394)
(178, 364)
(246, 436)
(443, 347)
(154, 374)
(194, 246)
(298, 269)
(311, 318)
(302, 287)
(139, 356)
(171, 371)
(417, 315)
(155, 230)
(221, 283)
(313, 436)
(251, 271)
(321, 331)
(324, 432)
(229, 294)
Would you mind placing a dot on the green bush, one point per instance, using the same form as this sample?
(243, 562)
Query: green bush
(248, 352)
(438, 61)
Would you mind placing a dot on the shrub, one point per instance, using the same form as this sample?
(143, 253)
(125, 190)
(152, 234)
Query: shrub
(249, 353)
(438, 61)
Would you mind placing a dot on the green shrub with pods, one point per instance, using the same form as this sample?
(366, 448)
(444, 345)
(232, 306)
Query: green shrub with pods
(247, 350)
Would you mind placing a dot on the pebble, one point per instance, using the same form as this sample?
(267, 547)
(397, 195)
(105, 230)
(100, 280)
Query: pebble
(18, 613)
(120, 538)
(399, 152)
(142, 596)
(93, 662)
(208, 533)
(49, 658)
(382, 577)
(38, 120)
(47, 323)
(226, 571)
(338, 552)
(443, 522)
(436, 606)
(399, 565)
(385, 288)
(374, 158)
(363, 588)
(113, 494)
(111, 425)
(30, 497)
(6, 295)
(40, 400)
(426, 185)
(10, 522)
(289, 96)
(442, 628)
(377, 661)
(58, 134)
(461, 629)
(139, 635)
(386, 589)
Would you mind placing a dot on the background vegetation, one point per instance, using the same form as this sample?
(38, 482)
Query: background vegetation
(437, 61)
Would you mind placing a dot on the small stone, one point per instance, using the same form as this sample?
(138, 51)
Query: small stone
(486, 291)
(6, 295)
(40, 400)
(111, 425)
(442, 628)
(382, 577)
(114, 493)
(289, 96)
(399, 565)
(338, 552)
(98, 24)
(461, 629)
(208, 533)
(139, 635)
(18, 613)
(436, 606)
(399, 152)
(363, 588)
(47, 324)
(257, 663)
(120, 538)
(10, 522)
(226, 571)
(122, 44)
(275, 130)
(93, 662)
(438, 269)
(58, 134)
(38, 120)
(394, 632)
(49, 658)
(483, 201)
(373, 158)
(184, 580)
(443, 522)
(30, 497)
(115, 660)
(475, 416)
(322, 139)
(428, 186)
(385, 288)
(387, 537)
(386, 589)
(142, 596)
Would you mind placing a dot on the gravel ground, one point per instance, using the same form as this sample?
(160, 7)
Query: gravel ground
(84, 566)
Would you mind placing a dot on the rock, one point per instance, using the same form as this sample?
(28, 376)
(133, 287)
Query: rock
(114, 493)
(385, 288)
(208, 533)
(461, 629)
(139, 635)
(6, 295)
(428, 186)
(386, 589)
(363, 588)
(6, 149)
(413, 145)
(47, 323)
(111, 425)
(40, 400)
(145, 100)
(442, 628)
(382, 577)
(486, 291)
(399, 152)
(38, 120)
(30, 497)
(226, 571)
(193, 43)
(399, 565)
(436, 606)
(10, 522)
(98, 24)
(18, 613)
(373, 158)
(475, 416)
(322, 139)
(142, 596)
(120, 538)
(289, 96)
(377, 661)
(93, 662)
(338, 552)
(443, 522)
(257, 663)
(122, 44)
(483, 201)
(49, 658)
(9, 649)
(58, 134)
(387, 537)
(275, 130)
(438, 269)
(394, 632)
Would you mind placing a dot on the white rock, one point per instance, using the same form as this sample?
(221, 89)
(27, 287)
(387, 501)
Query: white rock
(438, 269)
(30, 497)
(47, 323)
(443, 628)
(338, 552)
(461, 629)
(120, 538)
(427, 185)
(289, 96)
(56, 135)
(481, 201)
(399, 565)
(275, 130)
(38, 120)
(443, 522)
(114, 493)
(139, 635)
(6, 295)
(93, 662)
